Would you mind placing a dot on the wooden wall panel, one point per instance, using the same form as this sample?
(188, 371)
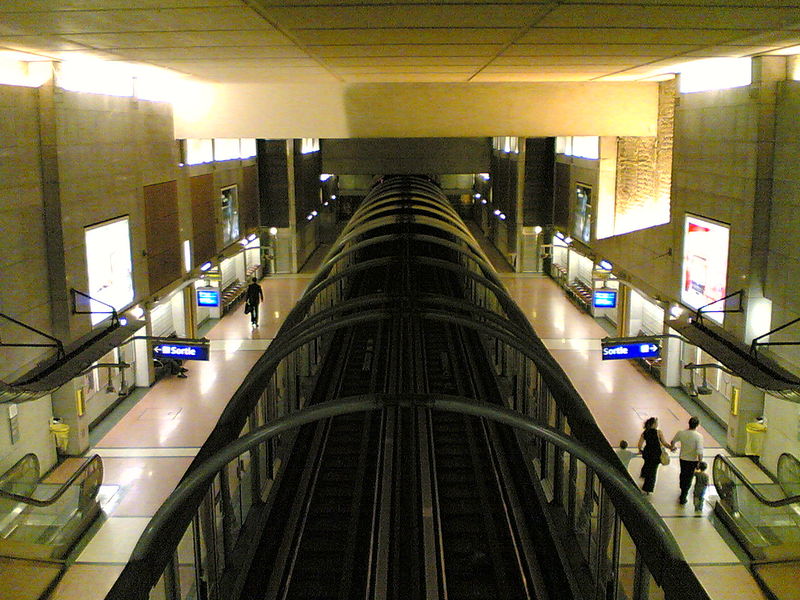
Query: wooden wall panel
(204, 222)
(162, 234)
(248, 198)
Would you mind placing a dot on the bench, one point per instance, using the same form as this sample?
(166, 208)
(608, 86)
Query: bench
(234, 291)
(581, 294)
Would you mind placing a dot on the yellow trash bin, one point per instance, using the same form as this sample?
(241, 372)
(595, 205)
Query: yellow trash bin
(60, 432)
(754, 442)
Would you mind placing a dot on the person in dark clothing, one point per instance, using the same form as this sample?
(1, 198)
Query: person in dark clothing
(650, 443)
(254, 297)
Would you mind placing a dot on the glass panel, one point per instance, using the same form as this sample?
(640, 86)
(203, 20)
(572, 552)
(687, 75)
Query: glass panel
(627, 565)
(187, 571)
(245, 484)
(233, 511)
(218, 515)
(654, 592)
(159, 592)
(566, 459)
(595, 541)
(583, 506)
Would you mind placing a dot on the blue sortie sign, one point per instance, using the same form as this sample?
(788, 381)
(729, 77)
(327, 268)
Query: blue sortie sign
(616, 349)
(180, 351)
(208, 297)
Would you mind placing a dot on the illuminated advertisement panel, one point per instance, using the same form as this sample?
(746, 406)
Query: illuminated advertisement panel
(108, 265)
(705, 264)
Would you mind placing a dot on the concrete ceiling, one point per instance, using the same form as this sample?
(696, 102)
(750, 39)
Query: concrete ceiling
(412, 41)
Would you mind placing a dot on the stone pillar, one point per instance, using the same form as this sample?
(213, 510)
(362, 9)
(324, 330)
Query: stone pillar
(291, 199)
(519, 202)
(60, 309)
(767, 72)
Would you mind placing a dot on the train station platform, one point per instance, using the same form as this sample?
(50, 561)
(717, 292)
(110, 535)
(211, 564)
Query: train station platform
(147, 449)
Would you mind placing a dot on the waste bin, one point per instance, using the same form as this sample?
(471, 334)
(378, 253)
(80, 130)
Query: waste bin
(60, 431)
(754, 441)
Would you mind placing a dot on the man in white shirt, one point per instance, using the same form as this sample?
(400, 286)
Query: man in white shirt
(691, 442)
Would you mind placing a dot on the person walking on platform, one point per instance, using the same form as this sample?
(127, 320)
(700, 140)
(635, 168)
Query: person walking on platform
(254, 297)
(650, 443)
(691, 453)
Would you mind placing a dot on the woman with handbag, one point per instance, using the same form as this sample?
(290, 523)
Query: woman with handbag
(650, 444)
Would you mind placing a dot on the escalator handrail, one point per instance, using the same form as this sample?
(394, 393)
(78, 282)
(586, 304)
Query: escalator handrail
(751, 487)
(788, 457)
(95, 459)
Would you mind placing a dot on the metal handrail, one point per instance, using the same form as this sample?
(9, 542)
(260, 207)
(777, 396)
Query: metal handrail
(60, 491)
(750, 487)
(788, 461)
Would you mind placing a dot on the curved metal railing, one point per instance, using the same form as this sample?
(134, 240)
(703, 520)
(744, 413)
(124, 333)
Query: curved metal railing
(577, 465)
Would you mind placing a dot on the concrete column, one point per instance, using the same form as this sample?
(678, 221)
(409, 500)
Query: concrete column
(519, 202)
(670, 356)
(767, 72)
(60, 309)
(291, 199)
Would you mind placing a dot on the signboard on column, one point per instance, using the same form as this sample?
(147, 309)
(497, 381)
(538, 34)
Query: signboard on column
(209, 298)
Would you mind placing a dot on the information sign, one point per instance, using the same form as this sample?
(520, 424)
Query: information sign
(208, 297)
(622, 348)
(181, 351)
(605, 298)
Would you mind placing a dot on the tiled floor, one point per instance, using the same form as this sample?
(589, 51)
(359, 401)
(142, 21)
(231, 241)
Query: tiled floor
(148, 450)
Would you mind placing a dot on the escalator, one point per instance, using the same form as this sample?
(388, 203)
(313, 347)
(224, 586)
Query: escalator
(765, 519)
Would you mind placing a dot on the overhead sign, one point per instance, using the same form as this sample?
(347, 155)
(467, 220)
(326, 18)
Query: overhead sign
(627, 348)
(605, 299)
(208, 297)
(181, 351)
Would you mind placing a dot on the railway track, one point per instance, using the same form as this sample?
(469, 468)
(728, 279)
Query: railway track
(400, 503)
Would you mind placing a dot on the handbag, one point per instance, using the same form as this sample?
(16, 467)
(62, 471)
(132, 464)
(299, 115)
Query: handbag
(664, 457)
(247, 308)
